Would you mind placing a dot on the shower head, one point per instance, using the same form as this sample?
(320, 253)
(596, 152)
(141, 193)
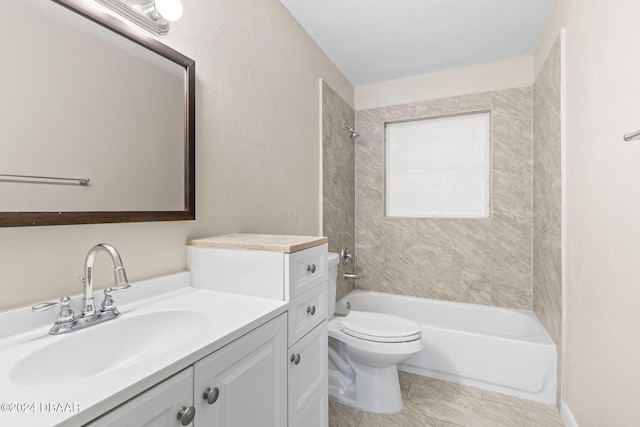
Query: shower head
(352, 133)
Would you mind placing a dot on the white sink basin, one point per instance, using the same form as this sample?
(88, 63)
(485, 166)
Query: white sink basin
(165, 327)
(97, 350)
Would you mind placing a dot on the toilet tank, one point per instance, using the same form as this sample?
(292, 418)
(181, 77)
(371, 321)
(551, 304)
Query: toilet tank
(333, 261)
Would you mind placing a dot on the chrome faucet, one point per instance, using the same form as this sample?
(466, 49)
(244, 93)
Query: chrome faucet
(67, 321)
(119, 274)
(345, 256)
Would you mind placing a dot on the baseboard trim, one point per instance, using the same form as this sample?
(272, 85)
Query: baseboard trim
(567, 416)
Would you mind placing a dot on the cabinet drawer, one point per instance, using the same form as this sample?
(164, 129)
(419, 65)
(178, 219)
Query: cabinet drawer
(304, 270)
(307, 311)
(307, 370)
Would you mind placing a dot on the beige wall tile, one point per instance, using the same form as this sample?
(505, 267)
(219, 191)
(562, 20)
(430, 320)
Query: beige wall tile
(338, 179)
(485, 261)
(547, 199)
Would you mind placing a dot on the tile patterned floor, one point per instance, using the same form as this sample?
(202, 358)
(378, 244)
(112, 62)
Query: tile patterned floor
(433, 403)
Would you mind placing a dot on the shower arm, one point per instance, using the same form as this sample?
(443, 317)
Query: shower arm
(352, 133)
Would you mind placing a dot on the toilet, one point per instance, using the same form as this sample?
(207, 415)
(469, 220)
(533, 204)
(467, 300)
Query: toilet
(364, 351)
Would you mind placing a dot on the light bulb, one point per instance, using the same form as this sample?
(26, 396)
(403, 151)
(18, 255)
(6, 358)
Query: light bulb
(171, 10)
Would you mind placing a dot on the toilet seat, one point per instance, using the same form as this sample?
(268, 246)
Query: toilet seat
(379, 327)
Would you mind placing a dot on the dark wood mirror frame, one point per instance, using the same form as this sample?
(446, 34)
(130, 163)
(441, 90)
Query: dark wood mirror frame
(21, 219)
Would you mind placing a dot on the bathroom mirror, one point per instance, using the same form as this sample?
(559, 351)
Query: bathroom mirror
(97, 119)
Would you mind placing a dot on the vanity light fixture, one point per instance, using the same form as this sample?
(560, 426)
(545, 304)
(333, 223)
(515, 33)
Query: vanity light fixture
(152, 15)
(171, 10)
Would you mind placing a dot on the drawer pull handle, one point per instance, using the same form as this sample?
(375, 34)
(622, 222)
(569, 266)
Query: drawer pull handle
(311, 268)
(186, 415)
(311, 310)
(295, 358)
(211, 395)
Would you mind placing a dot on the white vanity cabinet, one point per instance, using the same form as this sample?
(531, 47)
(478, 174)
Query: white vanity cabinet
(290, 268)
(242, 384)
(306, 287)
(245, 382)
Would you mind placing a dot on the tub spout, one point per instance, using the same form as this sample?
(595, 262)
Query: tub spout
(350, 276)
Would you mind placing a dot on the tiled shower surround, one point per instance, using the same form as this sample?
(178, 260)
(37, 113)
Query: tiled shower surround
(547, 198)
(482, 260)
(338, 179)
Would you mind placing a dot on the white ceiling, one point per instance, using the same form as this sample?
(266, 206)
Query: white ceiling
(377, 40)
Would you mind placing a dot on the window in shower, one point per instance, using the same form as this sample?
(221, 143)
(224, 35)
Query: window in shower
(439, 167)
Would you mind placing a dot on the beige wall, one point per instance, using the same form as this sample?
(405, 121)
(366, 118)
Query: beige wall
(602, 231)
(484, 261)
(507, 74)
(258, 153)
(338, 176)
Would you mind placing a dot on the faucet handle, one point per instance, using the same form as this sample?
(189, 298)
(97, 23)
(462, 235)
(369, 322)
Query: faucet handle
(107, 302)
(64, 316)
(345, 255)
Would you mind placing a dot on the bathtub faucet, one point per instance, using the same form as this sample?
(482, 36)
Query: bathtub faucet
(346, 258)
(345, 255)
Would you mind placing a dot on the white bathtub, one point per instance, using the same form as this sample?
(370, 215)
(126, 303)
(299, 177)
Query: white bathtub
(498, 349)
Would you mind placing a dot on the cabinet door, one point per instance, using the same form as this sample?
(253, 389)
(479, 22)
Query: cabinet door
(307, 370)
(316, 414)
(157, 407)
(245, 380)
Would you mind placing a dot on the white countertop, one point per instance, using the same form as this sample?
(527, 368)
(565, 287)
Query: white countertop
(228, 316)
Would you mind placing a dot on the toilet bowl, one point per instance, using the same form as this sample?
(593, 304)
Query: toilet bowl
(364, 351)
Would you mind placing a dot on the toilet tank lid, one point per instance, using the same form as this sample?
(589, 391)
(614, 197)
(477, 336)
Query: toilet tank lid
(333, 259)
